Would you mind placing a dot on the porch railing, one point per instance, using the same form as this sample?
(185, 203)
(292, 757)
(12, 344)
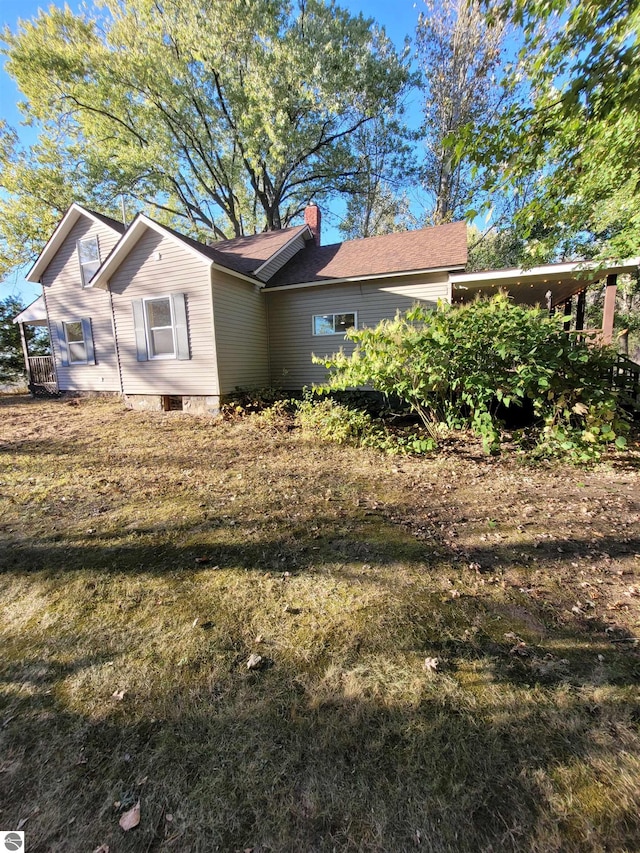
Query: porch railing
(43, 375)
(626, 378)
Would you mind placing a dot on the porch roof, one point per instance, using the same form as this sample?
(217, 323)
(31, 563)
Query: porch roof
(530, 286)
(34, 314)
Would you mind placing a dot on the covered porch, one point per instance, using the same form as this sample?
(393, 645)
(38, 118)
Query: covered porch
(40, 369)
(563, 287)
(556, 287)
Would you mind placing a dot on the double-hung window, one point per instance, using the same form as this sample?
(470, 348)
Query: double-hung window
(89, 257)
(160, 326)
(75, 339)
(334, 324)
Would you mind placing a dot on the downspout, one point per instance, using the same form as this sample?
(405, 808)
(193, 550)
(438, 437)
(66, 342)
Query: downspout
(115, 338)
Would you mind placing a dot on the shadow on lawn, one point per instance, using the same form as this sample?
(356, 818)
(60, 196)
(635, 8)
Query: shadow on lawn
(560, 646)
(267, 762)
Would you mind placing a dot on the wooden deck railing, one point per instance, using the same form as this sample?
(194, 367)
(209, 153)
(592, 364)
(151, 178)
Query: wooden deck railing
(626, 378)
(43, 375)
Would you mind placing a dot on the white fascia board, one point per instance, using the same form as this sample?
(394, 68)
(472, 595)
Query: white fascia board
(573, 269)
(131, 237)
(126, 243)
(358, 278)
(55, 241)
(305, 232)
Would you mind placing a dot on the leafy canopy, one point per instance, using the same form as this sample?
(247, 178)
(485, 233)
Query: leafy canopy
(578, 129)
(228, 116)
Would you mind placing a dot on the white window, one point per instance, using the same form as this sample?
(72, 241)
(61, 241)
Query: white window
(334, 324)
(75, 338)
(89, 257)
(160, 327)
(159, 322)
(76, 345)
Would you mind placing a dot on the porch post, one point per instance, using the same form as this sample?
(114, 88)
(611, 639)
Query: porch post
(609, 308)
(582, 302)
(25, 352)
(567, 314)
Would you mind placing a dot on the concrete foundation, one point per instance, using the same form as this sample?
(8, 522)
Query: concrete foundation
(193, 404)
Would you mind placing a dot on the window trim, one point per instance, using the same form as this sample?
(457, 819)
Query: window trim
(64, 343)
(334, 315)
(148, 328)
(91, 238)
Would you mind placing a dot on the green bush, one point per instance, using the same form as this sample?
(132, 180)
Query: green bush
(332, 421)
(462, 365)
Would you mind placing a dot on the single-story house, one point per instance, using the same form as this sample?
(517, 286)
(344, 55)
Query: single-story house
(168, 322)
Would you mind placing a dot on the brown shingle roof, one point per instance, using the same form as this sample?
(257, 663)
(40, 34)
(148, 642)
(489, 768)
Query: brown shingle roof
(440, 247)
(243, 254)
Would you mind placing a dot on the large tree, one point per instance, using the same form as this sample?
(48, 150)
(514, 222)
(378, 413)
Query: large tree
(579, 127)
(227, 116)
(378, 203)
(460, 56)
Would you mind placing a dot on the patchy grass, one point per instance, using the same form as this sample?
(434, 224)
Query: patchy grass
(145, 557)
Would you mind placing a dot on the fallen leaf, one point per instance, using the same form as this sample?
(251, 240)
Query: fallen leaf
(431, 664)
(130, 819)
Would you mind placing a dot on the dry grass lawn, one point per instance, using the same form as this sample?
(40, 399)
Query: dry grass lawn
(145, 557)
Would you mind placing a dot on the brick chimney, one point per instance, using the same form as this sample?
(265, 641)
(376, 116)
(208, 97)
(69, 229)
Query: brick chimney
(313, 219)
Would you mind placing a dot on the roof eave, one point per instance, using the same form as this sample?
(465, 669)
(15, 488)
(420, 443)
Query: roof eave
(575, 269)
(131, 237)
(54, 242)
(371, 277)
(304, 232)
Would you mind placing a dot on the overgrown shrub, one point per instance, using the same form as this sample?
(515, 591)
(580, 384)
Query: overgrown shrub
(331, 420)
(459, 365)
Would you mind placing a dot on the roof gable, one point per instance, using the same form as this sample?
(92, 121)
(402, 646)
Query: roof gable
(440, 247)
(243, 256)
(73, 214)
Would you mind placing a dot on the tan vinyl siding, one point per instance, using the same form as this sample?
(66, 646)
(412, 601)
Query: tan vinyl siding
(290, 314)
(141, 276)
(241, 333)
(281, 258)
(67, 301)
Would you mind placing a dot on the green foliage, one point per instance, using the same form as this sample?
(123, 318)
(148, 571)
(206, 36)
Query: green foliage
(495, 250)
(224, 117)
(332, 421)
(575, 124)
(461, 366)
(460, 59)
(344, 423)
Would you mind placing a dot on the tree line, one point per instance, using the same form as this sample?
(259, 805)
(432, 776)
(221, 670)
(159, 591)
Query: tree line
(225, 119)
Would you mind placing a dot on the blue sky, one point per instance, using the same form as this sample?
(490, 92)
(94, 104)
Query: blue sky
(398, 18)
